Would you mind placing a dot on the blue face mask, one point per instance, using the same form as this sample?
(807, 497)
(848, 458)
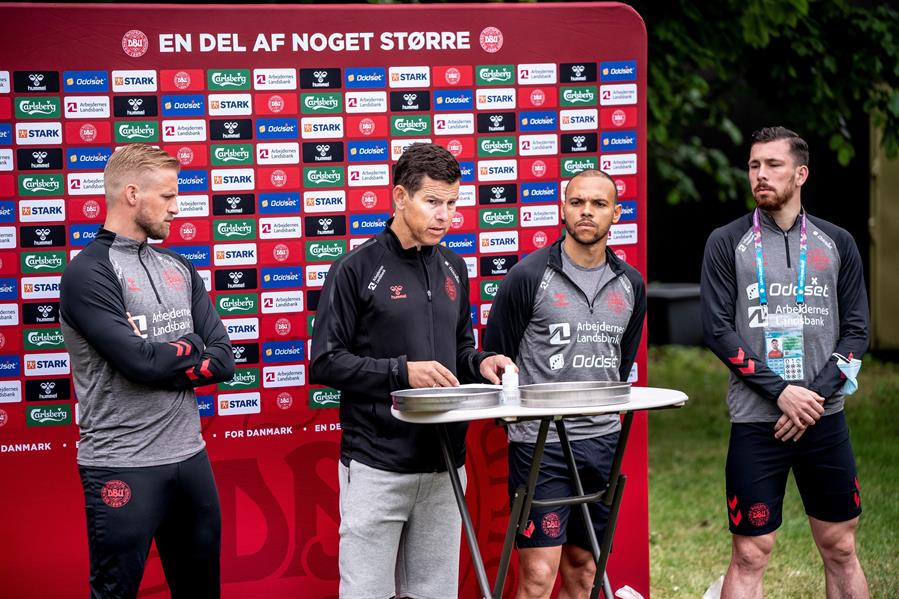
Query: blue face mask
(849, 367)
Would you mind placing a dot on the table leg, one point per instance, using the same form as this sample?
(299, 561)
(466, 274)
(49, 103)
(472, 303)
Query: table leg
(533, 474)
(619, 456)
(508, 544)
(467, 525)
(585, 510)
(606, 546)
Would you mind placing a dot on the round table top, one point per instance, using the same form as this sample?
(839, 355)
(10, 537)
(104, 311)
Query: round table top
(641, 398)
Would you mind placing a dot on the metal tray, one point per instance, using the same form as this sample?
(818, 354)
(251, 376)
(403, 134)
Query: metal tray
(441, 399)
(576, 394)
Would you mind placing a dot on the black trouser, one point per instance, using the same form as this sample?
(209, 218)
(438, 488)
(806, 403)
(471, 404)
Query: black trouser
(176, 504)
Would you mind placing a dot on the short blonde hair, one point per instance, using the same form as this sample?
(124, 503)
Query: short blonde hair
(131, 162)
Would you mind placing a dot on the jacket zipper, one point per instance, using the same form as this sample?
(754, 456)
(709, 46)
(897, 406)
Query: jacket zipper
(576, 286)
(787, 247)
(149, 278)
(424, 267)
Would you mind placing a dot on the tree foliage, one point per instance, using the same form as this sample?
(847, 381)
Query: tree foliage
(818, 63)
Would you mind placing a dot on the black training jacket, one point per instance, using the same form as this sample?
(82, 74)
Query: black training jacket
(380, 307)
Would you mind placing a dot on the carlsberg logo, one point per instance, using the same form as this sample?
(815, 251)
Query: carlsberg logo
(49, 415)
(491, 289)
(410, 125)
(234, 229)
(35, 185)
(237, 304)
(316, 176)
(44, 262)
(229, 79)
(578, 96)
(499, 218)
(495, 75)
(325, 397)
(45, 337)
(322, 102)
(34, 107)
(493, 146)
(242, 378)
(232, 154)
(137, 131)
(573, 167)
(325, 251)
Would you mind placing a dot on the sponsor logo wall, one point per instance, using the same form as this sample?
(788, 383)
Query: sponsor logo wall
(286, 143)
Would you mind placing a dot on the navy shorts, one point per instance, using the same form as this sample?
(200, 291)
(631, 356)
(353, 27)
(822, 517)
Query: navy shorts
(552, 527)
(758, 466)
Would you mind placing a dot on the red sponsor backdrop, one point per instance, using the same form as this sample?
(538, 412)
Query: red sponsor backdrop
(570, 77)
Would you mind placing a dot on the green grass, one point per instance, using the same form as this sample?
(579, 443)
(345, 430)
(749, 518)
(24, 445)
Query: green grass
(689, 540)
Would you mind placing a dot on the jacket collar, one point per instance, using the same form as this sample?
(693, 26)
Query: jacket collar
(555, 257)
(389, 239)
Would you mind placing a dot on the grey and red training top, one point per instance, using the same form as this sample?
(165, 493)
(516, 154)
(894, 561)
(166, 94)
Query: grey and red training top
(135, 394)
(834, 311)
(544, 321)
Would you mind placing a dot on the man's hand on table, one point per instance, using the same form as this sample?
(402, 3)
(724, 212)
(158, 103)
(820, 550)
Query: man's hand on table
(430, 374)
(492, 367)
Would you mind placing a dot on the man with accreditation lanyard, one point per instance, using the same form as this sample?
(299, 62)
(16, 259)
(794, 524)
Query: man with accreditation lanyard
(784, 307)
(569, 312)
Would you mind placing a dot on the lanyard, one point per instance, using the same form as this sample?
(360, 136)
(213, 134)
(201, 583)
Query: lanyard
(760, 265)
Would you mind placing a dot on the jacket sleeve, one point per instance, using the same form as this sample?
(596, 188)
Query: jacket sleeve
(468, 359)
(630, 341)
(332, 361)
(511, 312)
(92, 303)
(852, 300)
(718, 296)
(216, 363)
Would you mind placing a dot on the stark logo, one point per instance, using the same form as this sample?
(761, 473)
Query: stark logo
(115, 493)
(450, 287)
(551, 525)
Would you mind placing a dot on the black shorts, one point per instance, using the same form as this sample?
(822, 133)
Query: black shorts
(758, 466)
(551, 527)
(175, 504)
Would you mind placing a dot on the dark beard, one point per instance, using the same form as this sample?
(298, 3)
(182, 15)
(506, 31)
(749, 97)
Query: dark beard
(778, 201)
(570, 231)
